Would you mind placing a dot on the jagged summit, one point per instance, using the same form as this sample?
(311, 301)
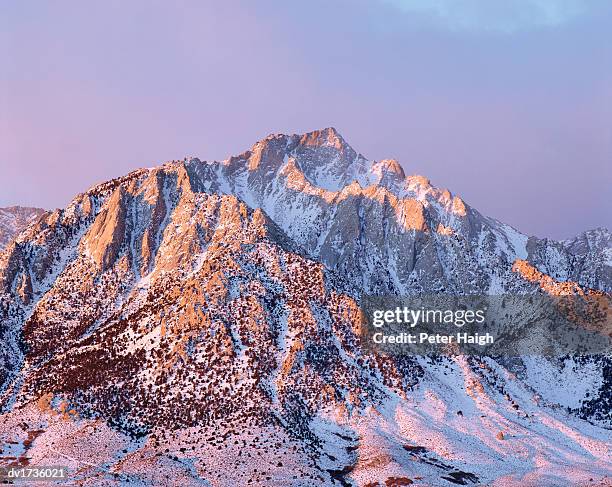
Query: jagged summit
(323, 156)
(328, 136)
(329, 162)
(321, 162)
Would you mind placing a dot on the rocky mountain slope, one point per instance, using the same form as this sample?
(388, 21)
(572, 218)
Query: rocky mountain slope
(198, 323)
(14, 219)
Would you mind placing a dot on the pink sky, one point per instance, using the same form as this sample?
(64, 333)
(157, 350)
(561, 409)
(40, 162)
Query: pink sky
(511, 111)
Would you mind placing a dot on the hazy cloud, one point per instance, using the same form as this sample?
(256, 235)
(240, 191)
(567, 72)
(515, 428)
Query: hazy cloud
(497, 15)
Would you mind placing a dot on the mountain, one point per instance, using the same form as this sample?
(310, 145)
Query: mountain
(198, 323)
(14, 219)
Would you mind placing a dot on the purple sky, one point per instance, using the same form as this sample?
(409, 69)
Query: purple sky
(509, 106)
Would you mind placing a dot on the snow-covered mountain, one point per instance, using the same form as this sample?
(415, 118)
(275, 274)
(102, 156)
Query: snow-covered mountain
(198, 323)
(14, 219)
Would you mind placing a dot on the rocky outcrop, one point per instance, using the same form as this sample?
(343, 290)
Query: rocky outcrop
(104, 239)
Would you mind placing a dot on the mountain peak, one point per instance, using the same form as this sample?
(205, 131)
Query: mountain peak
(327, 137)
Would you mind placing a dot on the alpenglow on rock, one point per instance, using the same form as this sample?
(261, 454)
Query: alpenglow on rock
(199, 321)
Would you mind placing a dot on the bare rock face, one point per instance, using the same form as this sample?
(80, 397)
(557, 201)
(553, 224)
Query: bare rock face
(14, 219)
(104, 239)
(200, 321)
(24, 289)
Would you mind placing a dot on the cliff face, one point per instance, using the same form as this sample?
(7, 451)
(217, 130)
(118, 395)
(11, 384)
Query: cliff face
(201, 321)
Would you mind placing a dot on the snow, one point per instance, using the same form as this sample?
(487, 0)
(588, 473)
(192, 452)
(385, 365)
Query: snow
(516, 240)
(567, 385)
